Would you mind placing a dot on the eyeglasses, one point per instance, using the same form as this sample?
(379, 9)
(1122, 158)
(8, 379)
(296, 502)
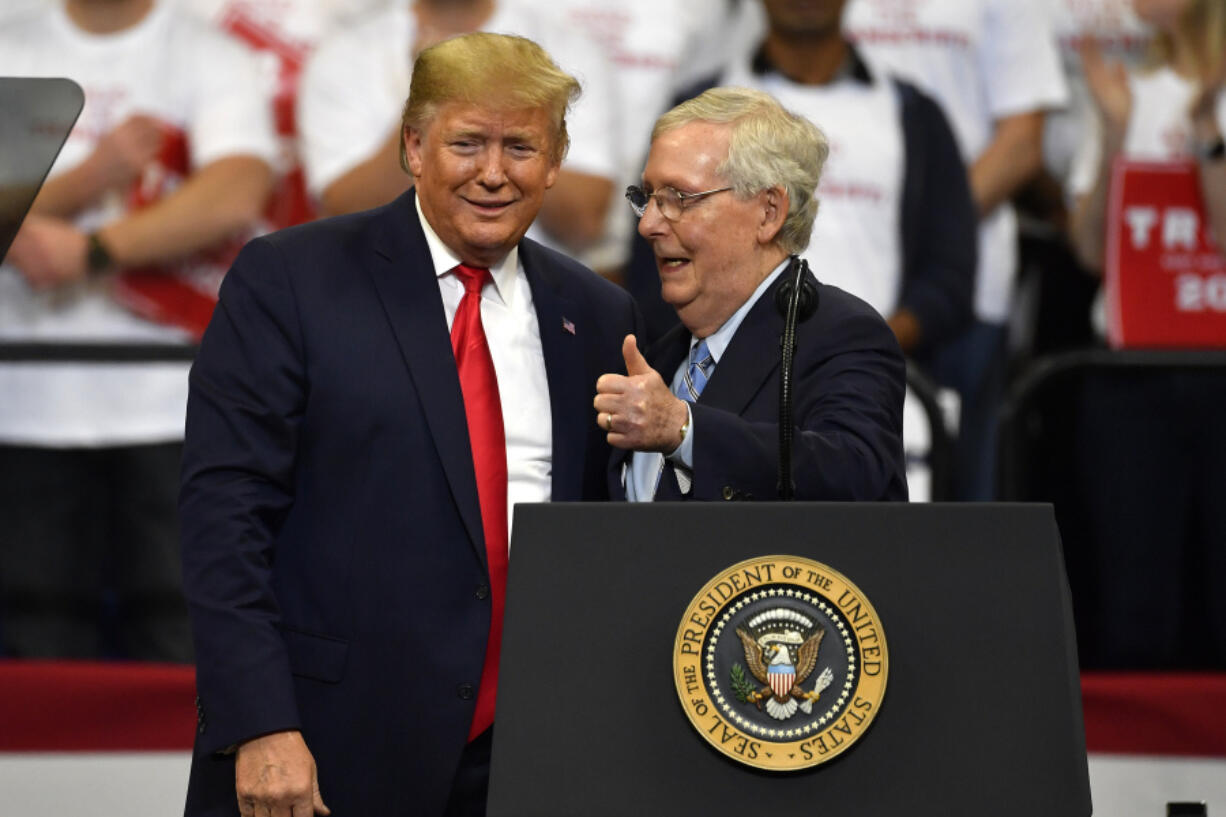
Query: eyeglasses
(671, 202)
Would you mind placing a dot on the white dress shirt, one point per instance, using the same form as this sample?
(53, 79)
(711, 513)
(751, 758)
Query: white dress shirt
(514, 338)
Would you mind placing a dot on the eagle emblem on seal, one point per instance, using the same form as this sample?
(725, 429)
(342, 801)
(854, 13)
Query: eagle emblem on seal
(781, 648)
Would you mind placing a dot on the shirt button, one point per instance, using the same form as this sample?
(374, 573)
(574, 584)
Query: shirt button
(483, 592)
(465, 691)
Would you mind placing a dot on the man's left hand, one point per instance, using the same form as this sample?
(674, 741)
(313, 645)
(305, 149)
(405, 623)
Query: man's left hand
(49, 252)
(638, 410)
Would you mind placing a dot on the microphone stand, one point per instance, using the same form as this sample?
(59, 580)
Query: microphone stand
(794, 298)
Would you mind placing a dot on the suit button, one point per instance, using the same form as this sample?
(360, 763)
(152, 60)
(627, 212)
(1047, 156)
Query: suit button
(465, 691)
(729, 493)
(483, 592)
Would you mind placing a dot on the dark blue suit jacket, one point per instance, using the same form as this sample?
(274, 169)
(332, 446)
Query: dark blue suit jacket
(848, 393)
(333, 553)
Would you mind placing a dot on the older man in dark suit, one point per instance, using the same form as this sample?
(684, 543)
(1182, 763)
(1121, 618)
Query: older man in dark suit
(727, 200)
(373, 396)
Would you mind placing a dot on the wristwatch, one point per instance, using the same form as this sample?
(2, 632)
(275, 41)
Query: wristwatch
(1213, 151)
(97, 258)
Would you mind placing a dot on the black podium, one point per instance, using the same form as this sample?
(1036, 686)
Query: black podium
(981, 714)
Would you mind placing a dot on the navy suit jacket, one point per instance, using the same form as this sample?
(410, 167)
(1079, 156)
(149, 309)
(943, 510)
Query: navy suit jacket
(333, 553)
(848, 389)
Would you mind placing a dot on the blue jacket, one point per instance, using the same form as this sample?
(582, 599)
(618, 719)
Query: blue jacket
(334, 560)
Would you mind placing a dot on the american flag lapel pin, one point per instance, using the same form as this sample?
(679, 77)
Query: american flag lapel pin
(567, 326)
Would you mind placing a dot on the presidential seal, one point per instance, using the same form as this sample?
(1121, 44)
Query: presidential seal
(780, 663)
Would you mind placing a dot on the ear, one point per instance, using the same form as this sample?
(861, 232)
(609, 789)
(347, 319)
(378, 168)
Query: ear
(774, 213)
(413, 150)
(552, 176)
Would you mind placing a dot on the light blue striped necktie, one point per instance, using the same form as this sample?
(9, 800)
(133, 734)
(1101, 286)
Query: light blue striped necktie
(697, 374)
(689, 387)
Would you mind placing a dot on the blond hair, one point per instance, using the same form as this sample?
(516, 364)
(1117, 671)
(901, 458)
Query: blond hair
(499, 70)
(1203, 22)
(769, 147)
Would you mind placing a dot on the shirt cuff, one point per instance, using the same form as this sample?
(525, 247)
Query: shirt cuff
(684, 454)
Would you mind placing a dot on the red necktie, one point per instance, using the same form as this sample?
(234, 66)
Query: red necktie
(483, 409)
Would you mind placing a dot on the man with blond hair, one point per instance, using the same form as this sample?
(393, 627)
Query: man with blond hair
(373, 396)
(354, 84)
(727, 202)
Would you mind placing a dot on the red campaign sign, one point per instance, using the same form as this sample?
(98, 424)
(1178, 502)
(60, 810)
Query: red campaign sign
(1165, 275)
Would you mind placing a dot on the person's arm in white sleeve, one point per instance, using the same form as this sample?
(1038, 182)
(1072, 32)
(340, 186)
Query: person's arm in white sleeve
(348, 125)
(1023, 78)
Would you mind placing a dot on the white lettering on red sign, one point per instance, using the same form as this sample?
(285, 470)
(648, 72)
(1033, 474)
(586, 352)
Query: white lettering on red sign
(1196, 294)
(1180, 226)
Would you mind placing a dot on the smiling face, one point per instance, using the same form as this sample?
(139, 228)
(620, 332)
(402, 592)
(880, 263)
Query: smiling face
(713, 257)
(481, 174)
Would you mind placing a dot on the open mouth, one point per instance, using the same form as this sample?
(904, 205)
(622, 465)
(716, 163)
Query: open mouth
(668, 264)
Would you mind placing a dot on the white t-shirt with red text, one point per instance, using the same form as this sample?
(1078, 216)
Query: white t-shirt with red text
(982, 60)
(205, 90)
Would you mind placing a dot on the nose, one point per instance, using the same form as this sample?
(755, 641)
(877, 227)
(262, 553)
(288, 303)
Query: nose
(652, 222)
(493, 172)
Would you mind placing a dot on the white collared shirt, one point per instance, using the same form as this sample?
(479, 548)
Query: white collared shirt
(514, 337)
(643, 474)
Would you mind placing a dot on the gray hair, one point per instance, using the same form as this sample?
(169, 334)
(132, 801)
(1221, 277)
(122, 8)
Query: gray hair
(769, 147)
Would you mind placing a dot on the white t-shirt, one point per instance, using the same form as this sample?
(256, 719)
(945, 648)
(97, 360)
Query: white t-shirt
(17, 8)
(856, 236)
(204, 87)
(355, 84)
(656, 49)
(981, 60)
(303, 22)
(1120, 35)
(283, 33)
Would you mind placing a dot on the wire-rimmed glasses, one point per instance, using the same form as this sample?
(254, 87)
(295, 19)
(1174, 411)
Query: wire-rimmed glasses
(671, 202)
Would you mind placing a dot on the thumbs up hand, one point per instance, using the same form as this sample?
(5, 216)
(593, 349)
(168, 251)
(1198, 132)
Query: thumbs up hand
(637, 410)
(636, 364)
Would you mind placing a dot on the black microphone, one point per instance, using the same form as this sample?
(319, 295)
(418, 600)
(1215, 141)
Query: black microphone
(795, 276)
(796, 299)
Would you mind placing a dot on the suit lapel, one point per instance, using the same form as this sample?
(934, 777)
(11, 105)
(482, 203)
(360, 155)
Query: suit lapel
(751, 357)
(561, 322)
(404, 278)
(666, 354)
